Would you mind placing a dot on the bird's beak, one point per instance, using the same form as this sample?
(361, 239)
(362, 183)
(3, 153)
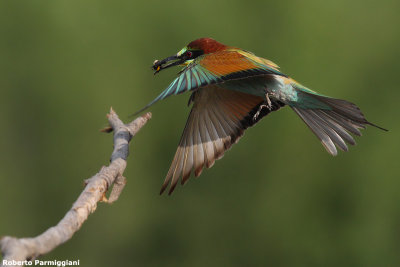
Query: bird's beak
(159, 65)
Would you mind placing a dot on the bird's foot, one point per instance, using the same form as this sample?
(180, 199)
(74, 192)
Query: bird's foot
(266, 104)
(269, 104)
(259, 111)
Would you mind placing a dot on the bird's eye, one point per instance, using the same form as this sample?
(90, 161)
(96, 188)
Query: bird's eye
(189, 54)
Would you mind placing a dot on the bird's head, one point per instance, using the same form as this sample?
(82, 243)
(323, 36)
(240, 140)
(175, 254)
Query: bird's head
(187, 54)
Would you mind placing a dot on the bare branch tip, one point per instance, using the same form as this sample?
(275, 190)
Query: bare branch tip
(111, 113)
(147, 116)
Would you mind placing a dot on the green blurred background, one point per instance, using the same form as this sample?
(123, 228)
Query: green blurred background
(276, 199)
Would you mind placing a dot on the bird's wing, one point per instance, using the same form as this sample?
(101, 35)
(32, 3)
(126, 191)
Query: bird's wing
(217, 120)
(216, 68)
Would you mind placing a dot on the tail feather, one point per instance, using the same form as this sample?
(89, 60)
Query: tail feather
(330, 131)
(344, 108)
(332, 126)
(319, 130)
(349, 125)
(348, 110)
(337, 128)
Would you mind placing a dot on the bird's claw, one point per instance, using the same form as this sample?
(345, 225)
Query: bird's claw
(266, 104)
(259, 111)
(269, 104)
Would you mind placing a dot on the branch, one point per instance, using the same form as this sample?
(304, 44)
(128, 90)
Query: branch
(26, 249)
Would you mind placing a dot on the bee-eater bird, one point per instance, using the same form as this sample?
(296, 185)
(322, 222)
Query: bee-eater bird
(232, 89)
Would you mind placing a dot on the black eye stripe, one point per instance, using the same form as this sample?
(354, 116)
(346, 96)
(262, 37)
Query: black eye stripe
(193, 54)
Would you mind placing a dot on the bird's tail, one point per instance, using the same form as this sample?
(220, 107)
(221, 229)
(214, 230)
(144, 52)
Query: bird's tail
(331, 120)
